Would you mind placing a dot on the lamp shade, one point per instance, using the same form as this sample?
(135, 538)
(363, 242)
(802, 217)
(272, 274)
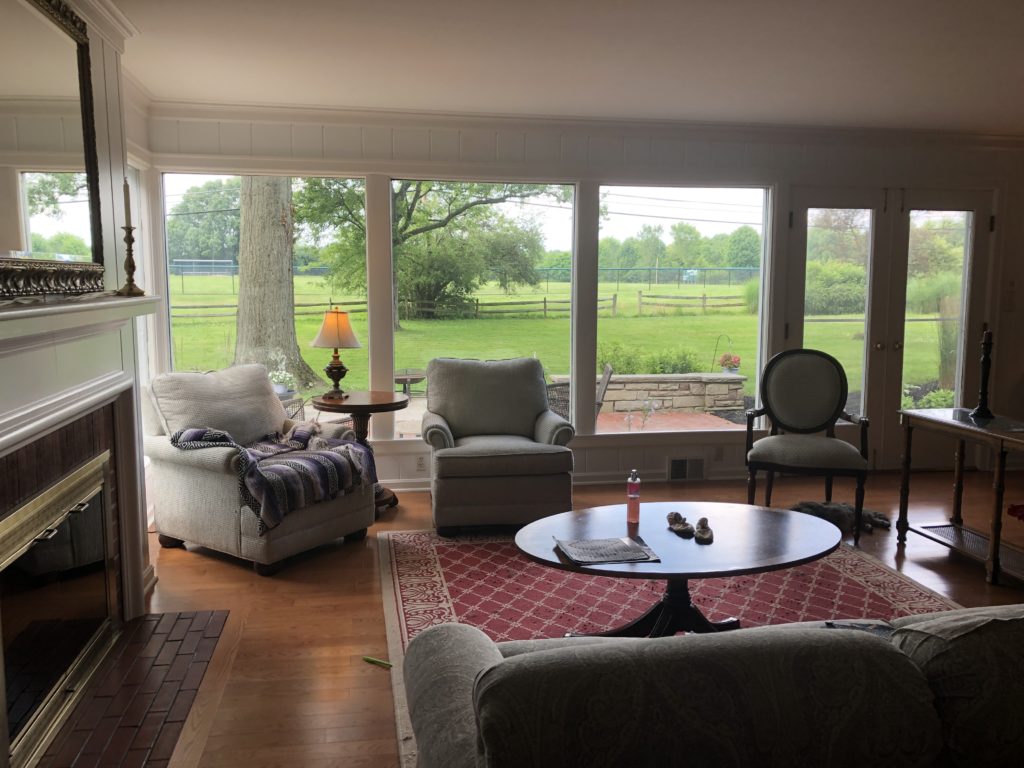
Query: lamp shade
(336, 332)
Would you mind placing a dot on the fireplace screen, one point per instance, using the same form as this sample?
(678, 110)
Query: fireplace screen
(58, 602)
(53, 599)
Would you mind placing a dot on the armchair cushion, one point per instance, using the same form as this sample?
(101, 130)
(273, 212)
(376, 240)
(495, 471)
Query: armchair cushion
(501, 456)
(239, 400)
(487, 397)
(807, 451)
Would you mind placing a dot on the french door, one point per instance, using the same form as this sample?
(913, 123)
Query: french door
(893, 284)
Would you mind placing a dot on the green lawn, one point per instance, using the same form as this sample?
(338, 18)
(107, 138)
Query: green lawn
(208, 343)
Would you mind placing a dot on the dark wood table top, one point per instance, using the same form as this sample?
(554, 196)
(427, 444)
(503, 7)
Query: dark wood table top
(748, 539)
(375, 401)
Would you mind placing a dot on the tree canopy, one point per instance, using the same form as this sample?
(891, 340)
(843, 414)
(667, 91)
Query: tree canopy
(204, 224)
(447, 237)
(46, 191)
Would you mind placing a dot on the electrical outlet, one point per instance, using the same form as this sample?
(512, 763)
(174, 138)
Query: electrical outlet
(421, 463)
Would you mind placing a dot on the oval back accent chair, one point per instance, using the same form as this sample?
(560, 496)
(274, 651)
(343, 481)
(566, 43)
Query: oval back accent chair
(803, 393)
(498, 452)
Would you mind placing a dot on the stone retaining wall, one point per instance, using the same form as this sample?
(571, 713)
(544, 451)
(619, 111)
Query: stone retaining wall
(682, 392)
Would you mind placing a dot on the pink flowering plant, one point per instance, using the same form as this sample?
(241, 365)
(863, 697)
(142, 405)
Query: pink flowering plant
(729, 360)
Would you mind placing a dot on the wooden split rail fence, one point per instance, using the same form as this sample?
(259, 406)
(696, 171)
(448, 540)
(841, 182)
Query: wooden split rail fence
(352, 307)
(702, 302)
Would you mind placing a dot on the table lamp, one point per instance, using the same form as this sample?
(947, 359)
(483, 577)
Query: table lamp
(336, 333)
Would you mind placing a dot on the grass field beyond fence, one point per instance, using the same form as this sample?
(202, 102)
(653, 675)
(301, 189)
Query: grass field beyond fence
(208, 343)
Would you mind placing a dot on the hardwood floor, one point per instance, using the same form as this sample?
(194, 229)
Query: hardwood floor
(288, 687)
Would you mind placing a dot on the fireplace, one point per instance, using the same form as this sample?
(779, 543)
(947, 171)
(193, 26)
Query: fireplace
(59, 601)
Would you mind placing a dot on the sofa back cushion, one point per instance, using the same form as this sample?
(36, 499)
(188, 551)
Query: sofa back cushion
(487, 397)
(239, 400)
(973, 660)
(765, 697)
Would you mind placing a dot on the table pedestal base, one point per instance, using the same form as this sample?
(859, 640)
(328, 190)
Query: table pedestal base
(674, 613)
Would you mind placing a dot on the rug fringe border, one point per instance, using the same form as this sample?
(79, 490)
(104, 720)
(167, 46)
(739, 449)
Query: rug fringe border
(407, 750)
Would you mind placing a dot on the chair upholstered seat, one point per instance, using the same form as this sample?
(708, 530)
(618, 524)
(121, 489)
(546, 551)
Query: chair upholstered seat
(500, 455)
(808, 452)
(499, 452)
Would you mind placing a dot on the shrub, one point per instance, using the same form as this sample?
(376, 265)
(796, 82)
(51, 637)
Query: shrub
(752, 295)
(621, 358)
(625, 360)
(670, 361)
(834, 288)
(940, 398)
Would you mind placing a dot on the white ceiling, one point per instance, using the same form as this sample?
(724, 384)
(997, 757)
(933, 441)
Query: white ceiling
(916, 64)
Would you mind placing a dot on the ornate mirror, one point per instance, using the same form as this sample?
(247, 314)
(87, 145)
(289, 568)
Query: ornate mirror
(50, 236)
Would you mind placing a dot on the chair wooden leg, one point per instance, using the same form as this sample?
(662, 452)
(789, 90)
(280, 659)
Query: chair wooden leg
(828, 489)
(768, 485)
(858, 511)
(751, 485)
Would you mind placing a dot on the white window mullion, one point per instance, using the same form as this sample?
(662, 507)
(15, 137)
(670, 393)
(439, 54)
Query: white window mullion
(584, 305)
(379, 298)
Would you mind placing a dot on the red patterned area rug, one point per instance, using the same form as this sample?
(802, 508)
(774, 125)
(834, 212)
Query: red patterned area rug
(486, 582)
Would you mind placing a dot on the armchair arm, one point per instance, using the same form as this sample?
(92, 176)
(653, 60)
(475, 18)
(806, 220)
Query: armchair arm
(338, 430)
(220, 460)
(752, 415)
(552, 429)
(436, 432)
(864, 424)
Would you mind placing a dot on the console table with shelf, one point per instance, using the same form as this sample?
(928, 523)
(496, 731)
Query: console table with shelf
(1000, 434)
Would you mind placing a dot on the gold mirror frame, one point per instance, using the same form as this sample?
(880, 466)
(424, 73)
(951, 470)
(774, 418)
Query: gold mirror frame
(35, 277)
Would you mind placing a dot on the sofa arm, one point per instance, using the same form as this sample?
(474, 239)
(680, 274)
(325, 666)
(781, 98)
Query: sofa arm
(219, 459)
(439, 668)
(552, 429)
(436, 432)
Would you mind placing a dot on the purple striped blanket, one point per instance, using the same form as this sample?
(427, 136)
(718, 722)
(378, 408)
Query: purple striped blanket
(282, 473)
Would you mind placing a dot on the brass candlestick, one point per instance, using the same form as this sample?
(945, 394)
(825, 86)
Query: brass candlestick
(129, 288)
(982, 411)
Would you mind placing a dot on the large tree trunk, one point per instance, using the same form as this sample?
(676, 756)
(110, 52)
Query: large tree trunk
(266, 291)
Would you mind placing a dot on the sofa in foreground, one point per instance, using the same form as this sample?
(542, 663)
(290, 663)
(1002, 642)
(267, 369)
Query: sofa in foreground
(941, 689)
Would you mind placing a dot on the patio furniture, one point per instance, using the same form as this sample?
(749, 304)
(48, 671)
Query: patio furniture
(196, 493)
(803, 392)
(558, 394)
(499, 455)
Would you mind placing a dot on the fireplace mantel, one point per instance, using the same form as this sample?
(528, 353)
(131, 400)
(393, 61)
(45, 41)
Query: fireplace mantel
(61, 360)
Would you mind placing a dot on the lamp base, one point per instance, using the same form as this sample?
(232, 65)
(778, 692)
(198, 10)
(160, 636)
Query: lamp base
(335, 371)
(334, 394)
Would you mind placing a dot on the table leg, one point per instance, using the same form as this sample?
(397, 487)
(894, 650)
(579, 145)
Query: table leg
(361, 425)
(901, 522)
(992, 567)
(958, 484)
(674, 613)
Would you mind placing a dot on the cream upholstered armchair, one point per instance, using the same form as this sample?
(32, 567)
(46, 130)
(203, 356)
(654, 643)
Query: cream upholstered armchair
(195, 493)
(803, 392)
(499, 454)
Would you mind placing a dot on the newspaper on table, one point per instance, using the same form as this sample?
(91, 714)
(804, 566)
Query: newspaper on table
(627, 549)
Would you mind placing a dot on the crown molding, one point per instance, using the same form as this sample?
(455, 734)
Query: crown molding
(106, 18)
(201, 111)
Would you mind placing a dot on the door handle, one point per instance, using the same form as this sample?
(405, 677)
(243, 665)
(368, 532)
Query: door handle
(880, 346)
(897, 345)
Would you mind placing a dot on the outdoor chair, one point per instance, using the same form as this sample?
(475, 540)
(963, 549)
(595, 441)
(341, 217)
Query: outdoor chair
(499, 454)
(558, 394)
(196, 493)
(803, 393)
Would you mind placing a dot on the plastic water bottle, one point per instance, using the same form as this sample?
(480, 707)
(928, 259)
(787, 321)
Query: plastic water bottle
(633, 497)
